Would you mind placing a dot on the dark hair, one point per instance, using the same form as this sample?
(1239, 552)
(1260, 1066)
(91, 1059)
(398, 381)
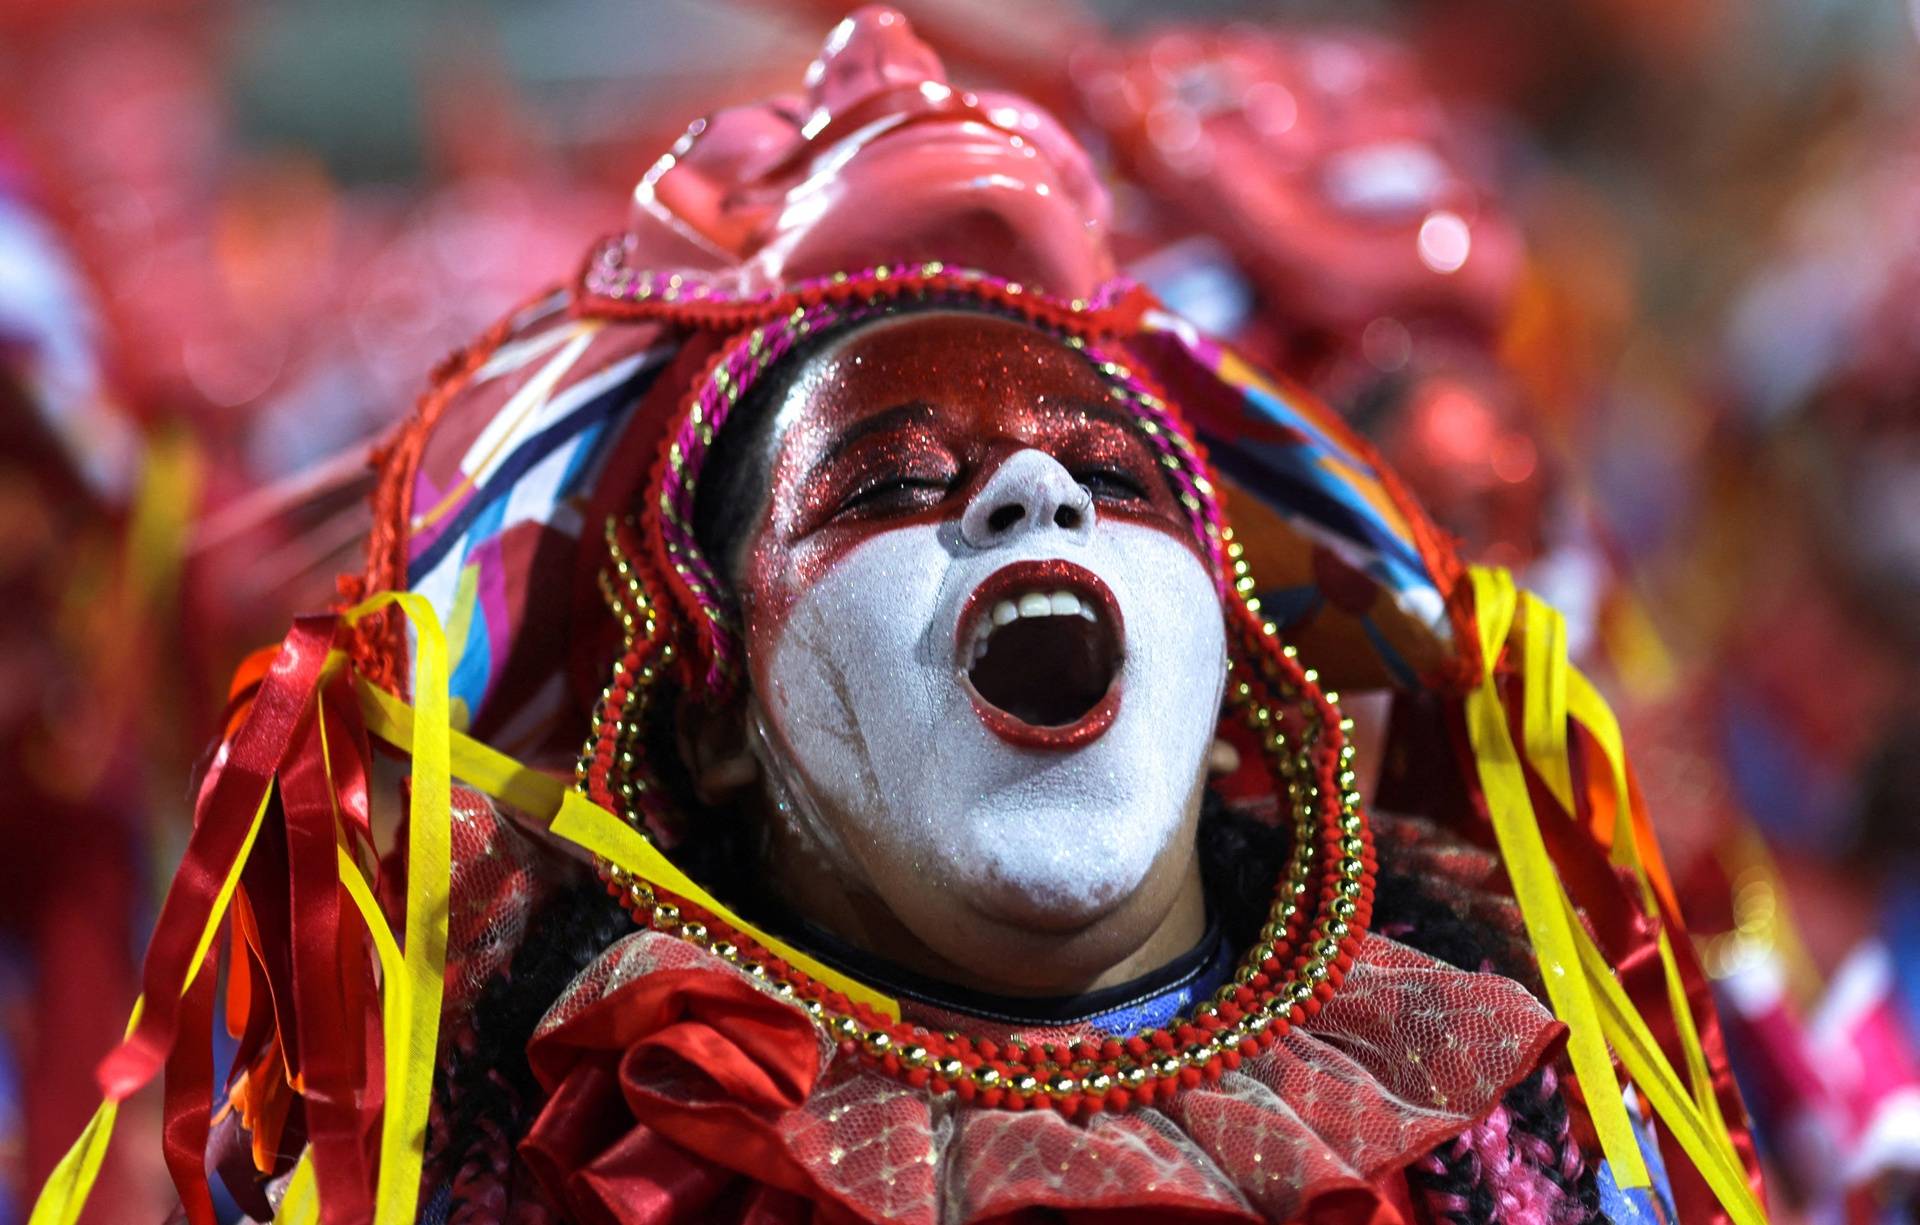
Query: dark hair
(485, 1092)
(734, 481)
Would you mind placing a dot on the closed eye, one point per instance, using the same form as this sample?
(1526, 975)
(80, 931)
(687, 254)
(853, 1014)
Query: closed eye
(898, 494)
(1112, 485)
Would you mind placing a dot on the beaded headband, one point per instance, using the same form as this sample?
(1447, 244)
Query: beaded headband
(678, 625)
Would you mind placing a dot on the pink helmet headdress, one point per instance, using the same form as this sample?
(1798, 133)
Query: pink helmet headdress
(882, 161)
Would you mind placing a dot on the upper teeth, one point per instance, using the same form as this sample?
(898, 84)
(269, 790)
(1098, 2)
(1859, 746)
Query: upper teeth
(1027, 604)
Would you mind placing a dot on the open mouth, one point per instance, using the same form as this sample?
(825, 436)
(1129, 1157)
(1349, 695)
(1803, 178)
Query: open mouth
(1040, 646)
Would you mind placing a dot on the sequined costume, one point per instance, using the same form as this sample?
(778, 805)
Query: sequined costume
(1379, 1044)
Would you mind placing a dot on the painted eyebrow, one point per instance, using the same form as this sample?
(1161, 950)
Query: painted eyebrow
(886, 419)
(918, 411)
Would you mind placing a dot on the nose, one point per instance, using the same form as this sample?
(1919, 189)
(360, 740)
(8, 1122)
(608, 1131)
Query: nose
(1029, 492)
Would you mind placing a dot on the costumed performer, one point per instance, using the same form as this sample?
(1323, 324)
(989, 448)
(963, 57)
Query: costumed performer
(966, 843)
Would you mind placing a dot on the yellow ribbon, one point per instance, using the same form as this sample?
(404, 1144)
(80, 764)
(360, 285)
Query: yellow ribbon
(394, 1199)
(72, 1180)
(1537, 888)
(572, 816)
(1590, 710)
(300, 1203)
(480, 766)
(152, 548)
(1654, 1077)
(410, 1021)
(1553, 692)
(1543, 697)
(162, 514)
(393, 974)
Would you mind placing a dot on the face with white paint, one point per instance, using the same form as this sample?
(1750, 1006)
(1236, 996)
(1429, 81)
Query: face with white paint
(986, 658)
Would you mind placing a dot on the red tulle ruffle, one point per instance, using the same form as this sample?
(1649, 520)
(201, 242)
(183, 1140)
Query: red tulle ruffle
(681, 1088)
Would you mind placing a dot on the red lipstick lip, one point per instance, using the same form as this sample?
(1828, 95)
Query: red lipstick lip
(1056, 574)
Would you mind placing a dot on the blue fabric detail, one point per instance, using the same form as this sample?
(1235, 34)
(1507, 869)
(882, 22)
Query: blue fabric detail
(1156, 1011)
(1620, 1206)
(1662, 1188)
(1397, 667)
(1652, 1204)
(475, 670)
(1287, 477)
(584, 456)
(1275, 408)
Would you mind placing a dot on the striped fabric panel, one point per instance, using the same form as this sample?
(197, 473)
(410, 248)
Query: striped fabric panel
(520, 452)
(1287, 452)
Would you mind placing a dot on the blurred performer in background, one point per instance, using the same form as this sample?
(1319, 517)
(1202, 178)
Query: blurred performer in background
(76, 609)
(969, 838)
(1810, 721)
(1306, 193)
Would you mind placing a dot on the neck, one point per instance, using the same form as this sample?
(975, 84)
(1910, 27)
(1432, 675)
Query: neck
(1005, 958)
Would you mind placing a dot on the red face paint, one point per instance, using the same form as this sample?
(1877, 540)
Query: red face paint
(902, 423)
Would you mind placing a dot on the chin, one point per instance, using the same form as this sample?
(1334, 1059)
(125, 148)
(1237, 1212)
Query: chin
(1035, 934)
(1058, 909)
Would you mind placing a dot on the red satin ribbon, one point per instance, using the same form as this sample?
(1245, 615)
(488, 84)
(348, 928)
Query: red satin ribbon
(759, 1051)
(269, 929)
(187, 1105)
(640, 1178)
(599, 1120)
(329, 957)
(225, 814)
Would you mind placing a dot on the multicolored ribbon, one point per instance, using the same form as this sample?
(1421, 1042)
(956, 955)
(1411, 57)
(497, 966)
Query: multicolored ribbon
(1536, 886)
(1580, 982)
(230, 820)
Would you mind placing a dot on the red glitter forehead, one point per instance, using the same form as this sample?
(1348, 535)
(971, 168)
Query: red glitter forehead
(905, 419)
(844, 302)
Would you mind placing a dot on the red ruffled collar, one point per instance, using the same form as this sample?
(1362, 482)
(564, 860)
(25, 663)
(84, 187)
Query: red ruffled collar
(681, 1087)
